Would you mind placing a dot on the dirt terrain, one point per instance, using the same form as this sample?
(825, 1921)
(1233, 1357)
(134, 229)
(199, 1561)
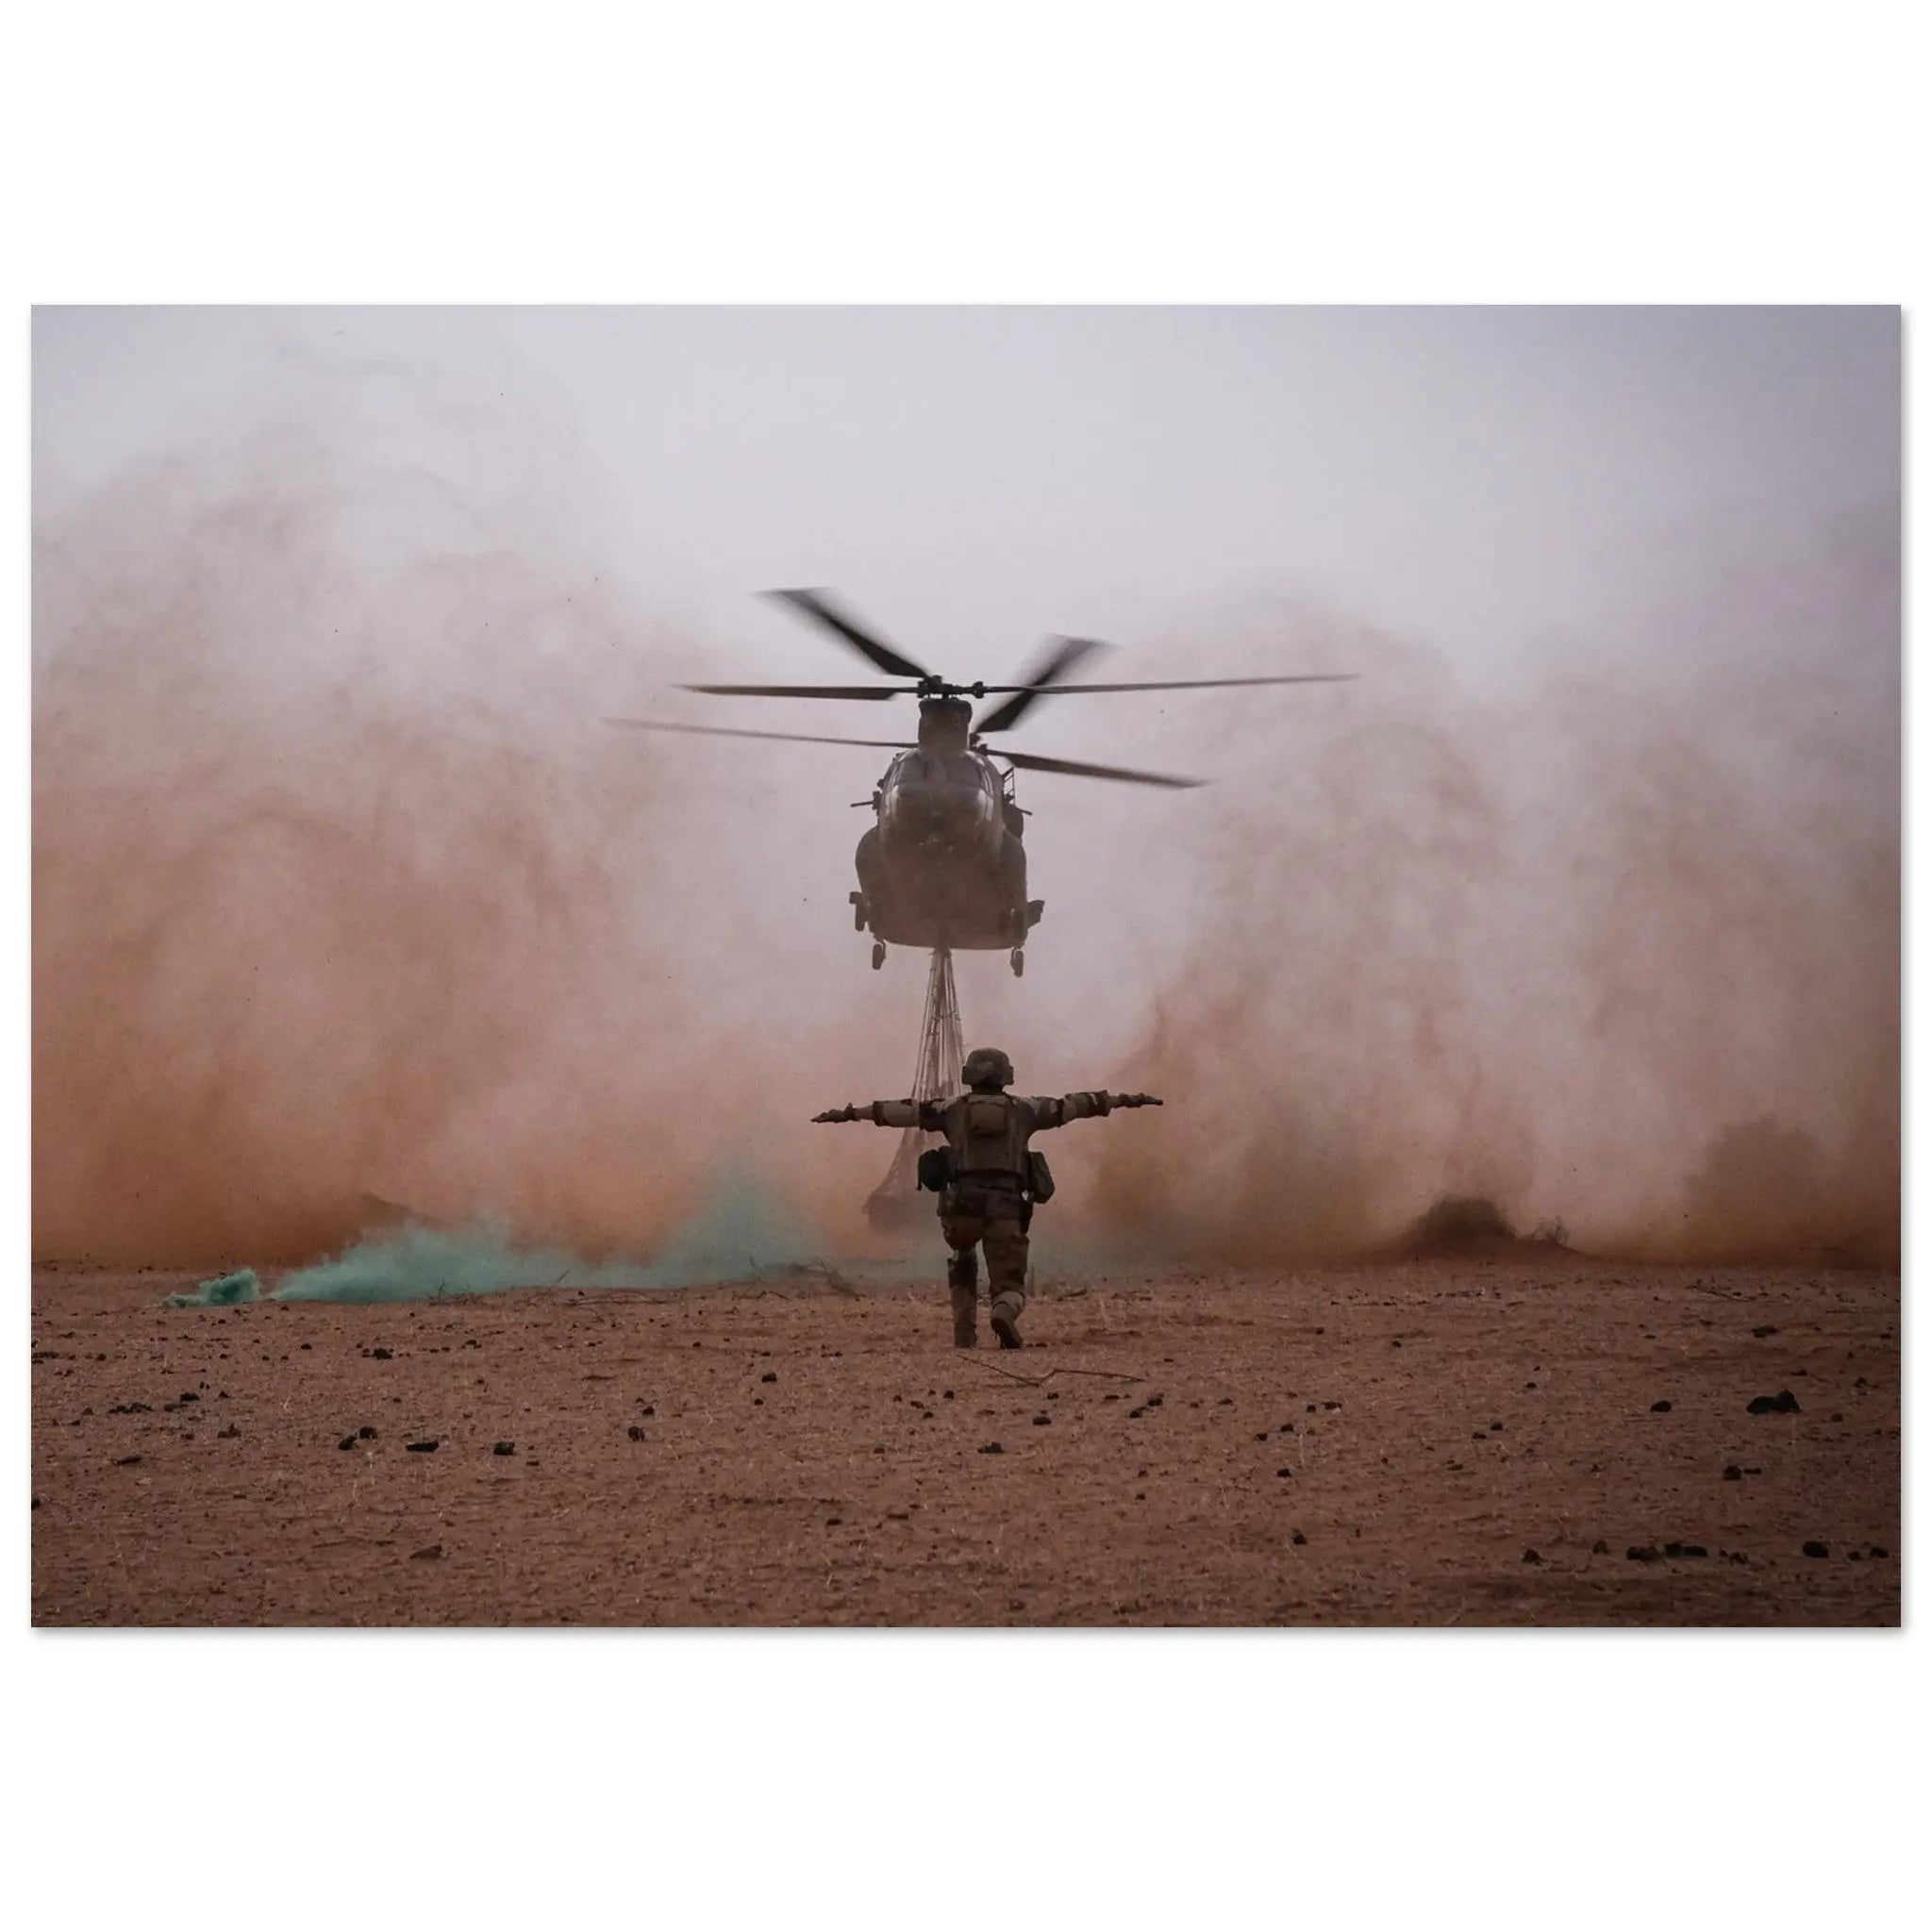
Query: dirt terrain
(1442, 1442)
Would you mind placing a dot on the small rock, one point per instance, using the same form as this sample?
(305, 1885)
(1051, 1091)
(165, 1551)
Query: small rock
(1040, 1422)
(430, 1553)
(348, 1441)
(991, 1449)
(1660, 1409)
(948, 1394)
(1297, 1538)
(1732, 1473)
(426, 1446)
(1262, 1436)
(650, 1408)
(504, 1449)
(231, 1430)
(1599, 1548)
(1155, 1401)
(833, 1522)
(1763, 1330)
(1531, 1557)
(635, 1434)
(1284, 1471)
(383, 1355)
(1817, 1549)
(188, 1395)
(366, 1433)
(1838, 1415)
(1132, 1413)
(1783, 1403)
(1684, 1550)
(1494, 1426)
(770, 1375)
(1880, 1551)
(126, 1461)
(1643, 1553)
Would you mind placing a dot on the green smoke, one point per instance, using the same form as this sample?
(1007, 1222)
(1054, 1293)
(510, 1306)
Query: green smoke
(742, 1234)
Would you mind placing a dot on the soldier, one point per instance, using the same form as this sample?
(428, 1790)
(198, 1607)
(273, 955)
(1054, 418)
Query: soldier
(991, 1178)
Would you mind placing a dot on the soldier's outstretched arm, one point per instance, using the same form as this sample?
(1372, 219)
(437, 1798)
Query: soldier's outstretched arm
(1058, 1110)
(886, 1113)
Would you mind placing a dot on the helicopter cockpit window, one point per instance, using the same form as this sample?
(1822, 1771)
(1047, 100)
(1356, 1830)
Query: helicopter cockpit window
(945, 769)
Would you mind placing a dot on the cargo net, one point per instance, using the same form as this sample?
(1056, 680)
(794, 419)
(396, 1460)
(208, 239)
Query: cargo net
(894, 1203)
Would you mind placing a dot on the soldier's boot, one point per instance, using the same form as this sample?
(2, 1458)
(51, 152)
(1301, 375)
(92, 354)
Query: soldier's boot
(962, 1277)
(1007, 1308)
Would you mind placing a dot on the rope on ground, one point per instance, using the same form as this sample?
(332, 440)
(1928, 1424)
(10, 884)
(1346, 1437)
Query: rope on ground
(1035, 1381)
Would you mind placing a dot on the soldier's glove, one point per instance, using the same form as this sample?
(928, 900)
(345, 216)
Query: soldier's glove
(837, 1113)
(1135, 1100)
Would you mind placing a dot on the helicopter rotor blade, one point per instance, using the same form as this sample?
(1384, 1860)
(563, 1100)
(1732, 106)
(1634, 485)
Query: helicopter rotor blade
(726, 731)
(1185, 683)
(866, 692)
(815, 605)
(1061, 657)
(1071, 767)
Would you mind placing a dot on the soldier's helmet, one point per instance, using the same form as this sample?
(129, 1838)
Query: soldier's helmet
(987, 1066)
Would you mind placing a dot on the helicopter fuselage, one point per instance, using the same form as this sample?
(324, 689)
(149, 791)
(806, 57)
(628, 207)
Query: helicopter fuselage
(943, 864)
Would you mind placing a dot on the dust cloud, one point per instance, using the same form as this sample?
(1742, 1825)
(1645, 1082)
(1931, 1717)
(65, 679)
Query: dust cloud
(1619, 954)
(338, 893)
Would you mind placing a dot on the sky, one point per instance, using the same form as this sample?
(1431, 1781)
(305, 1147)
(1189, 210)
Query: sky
(977, 479)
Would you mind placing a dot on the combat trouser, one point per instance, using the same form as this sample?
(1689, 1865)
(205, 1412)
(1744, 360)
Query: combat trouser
(993, 1219)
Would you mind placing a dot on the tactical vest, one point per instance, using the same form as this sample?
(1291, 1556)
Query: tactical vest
(987, 1135)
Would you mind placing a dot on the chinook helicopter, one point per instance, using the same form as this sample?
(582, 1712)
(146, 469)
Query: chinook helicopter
(943, 865)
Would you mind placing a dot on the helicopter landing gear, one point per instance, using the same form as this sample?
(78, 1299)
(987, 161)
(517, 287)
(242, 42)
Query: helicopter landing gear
(878, 954)
(861, 912)
(1018, 961)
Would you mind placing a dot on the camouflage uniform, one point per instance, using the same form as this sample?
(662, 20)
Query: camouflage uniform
(992, 1178)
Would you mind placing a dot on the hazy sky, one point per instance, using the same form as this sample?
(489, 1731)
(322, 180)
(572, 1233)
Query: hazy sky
(975, 478)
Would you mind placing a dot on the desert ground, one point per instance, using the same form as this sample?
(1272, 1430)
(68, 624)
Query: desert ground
(1539, 1440)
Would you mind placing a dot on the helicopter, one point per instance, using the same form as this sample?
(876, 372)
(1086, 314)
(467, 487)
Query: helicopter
(943, 865)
